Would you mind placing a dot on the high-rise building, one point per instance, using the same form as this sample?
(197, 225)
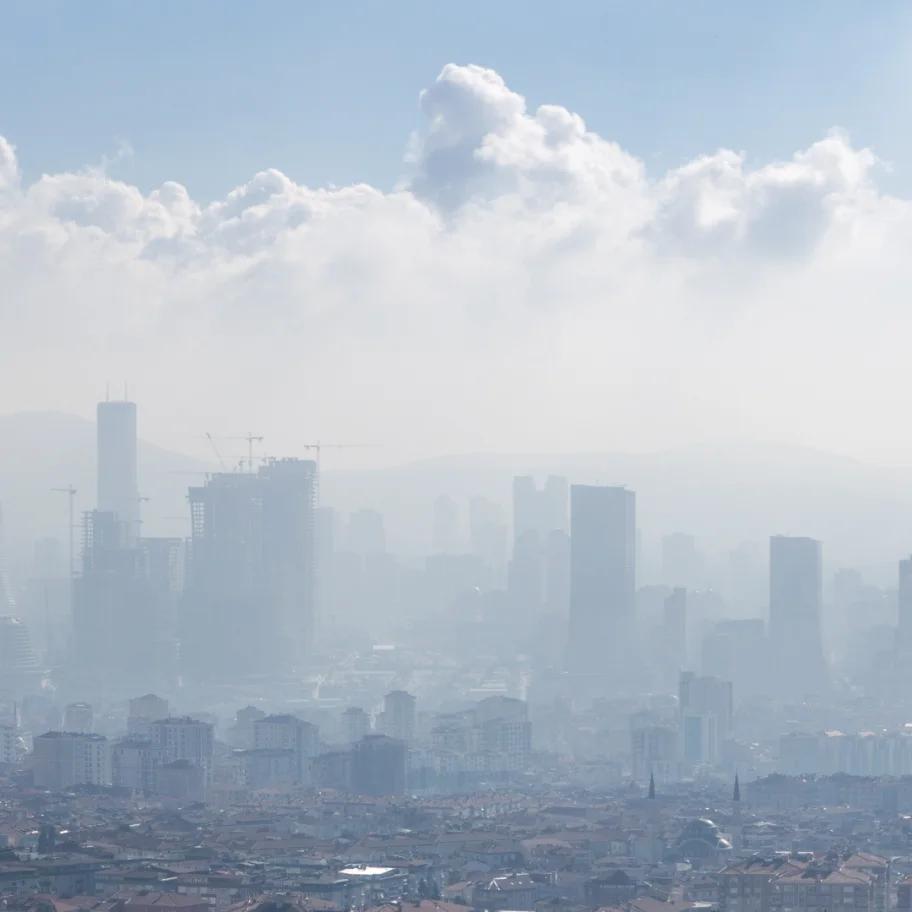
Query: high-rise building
(705, 705)
(355, 724)
(707, 696)
(184, 739)
(379, 766)
(557, 573)
(540, 511)
(526, 574)
(680, 561)
(116, 610)
(135, 763)
(249, 601)
(20, 671)
(794, 616)
(905, 595)
(445, 538)
(118, 490)
(673, 639)
(737, 651)
(602, 580)
(286, 732)
(143, 712)
(903, 659)
(365, 533)
(288, 498)
(9, 745)
(78, 717)
(61, 760)
(399, 715)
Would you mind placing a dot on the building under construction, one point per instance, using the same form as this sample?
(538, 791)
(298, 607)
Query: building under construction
(249, 606)
(123, 609)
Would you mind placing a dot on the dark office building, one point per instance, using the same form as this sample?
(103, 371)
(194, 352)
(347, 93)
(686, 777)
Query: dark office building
(794, 616)
(120, 634)
(379, 766)
(602, 580)
(249, 602)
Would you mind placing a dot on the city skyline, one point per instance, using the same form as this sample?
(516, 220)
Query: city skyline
(508, 505)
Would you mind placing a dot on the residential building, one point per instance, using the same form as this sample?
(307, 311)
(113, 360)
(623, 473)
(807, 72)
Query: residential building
(62, 760)
(379, 766)
(135, 762)
(184, 739)
(399, 715)
(286, 732)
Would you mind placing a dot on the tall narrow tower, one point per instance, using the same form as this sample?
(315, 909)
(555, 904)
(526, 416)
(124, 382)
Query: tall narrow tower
(794, 616)
(118, 491)
(737, 823)
(602, 580)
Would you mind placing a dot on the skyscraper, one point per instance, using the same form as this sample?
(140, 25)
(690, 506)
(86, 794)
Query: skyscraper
(379, 766)
(288, 499)
(602, 579)
(118, 490)
(905, 598)
(540, 511)
(903, 651)
(794, 616)
(399, 715)
(287, 732)
(446, 526)
(116, 611)
(249, 602)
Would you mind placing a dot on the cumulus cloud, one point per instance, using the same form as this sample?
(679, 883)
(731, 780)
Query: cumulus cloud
(527, 284)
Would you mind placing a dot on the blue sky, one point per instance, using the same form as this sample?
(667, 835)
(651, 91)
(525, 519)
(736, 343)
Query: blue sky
(207, 92)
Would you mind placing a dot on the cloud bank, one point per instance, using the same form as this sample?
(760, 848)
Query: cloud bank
(527, 284)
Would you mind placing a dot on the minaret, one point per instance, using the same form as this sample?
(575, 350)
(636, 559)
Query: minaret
(736, 818)
(653, 823)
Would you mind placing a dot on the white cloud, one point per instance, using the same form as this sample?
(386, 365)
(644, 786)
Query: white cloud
(527, 285)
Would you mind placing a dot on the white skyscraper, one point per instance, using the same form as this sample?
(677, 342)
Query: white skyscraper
(118, 490)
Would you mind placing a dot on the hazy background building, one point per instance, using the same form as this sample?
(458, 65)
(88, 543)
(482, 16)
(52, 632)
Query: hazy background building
(795, 607)
(118, 490)
(602, 582)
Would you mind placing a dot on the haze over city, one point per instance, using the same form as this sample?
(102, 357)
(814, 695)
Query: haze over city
(453, 457)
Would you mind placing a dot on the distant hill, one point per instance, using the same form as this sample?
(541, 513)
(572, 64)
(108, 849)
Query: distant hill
(725, 494)
(44, 450)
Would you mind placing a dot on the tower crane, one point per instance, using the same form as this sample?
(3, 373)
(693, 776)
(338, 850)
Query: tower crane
(215, 450)
(249, 438)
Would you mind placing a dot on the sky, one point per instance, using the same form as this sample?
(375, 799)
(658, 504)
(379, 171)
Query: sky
(458, 227)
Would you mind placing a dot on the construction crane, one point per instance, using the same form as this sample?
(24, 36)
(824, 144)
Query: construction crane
(215, 450)
(251, 439)
(71, 492)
